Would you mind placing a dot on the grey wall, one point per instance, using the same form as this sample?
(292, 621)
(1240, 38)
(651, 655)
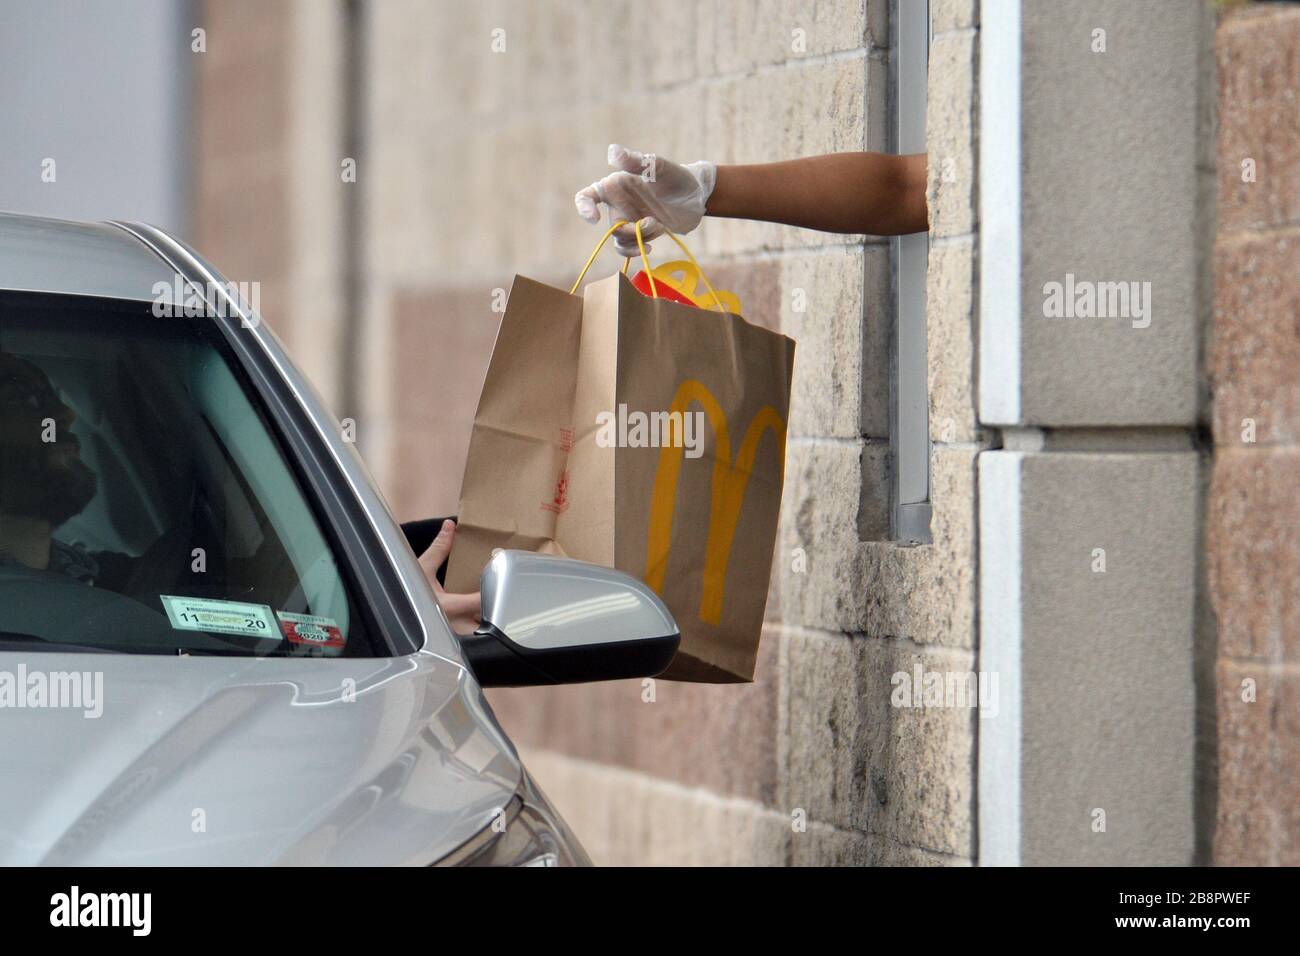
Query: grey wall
(101, 88)
(1089, 509)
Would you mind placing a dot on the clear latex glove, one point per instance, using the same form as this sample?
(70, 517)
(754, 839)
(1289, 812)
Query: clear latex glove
(658, 192)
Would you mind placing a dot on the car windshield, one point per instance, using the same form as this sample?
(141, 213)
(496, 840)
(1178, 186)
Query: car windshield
(146, 504)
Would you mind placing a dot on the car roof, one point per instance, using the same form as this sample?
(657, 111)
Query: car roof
(125, 260)
(78, 258)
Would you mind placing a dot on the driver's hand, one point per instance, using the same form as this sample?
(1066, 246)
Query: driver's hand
(463, 610)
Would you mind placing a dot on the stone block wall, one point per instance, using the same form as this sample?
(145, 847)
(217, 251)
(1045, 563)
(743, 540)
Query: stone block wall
(1253, 510)
(476, 124)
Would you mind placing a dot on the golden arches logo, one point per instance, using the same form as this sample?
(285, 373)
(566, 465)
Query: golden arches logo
(729, 483)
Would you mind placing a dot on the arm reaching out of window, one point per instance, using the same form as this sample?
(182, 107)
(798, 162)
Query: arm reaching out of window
(873, 193)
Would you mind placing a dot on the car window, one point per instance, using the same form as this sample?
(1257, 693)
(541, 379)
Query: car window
(146, 503)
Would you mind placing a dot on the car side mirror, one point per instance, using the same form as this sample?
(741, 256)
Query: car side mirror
(552, 620)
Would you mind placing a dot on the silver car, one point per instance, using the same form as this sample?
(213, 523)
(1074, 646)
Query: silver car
(216, 643)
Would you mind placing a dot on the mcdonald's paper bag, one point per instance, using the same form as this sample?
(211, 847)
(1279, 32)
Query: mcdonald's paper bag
(640, 434)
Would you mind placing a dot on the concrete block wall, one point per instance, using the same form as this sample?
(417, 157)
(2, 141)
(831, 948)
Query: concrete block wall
(1048, 440)
(268, 193)
(1090, 506)
(477, 124)
(1252, 548)
(473, 157)
(241, 179)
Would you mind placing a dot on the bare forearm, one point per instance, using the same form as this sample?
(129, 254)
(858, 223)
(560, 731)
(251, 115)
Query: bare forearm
(873, 193)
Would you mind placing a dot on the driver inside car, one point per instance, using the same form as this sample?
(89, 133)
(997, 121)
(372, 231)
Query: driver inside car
(44, 482)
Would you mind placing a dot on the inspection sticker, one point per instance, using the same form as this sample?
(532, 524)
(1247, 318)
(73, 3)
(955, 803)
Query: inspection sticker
(310, 629)
(220, 617)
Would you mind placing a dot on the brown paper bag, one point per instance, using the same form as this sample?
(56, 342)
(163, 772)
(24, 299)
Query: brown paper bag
(639, 434)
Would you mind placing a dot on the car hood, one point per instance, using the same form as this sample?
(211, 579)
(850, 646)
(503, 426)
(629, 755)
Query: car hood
(223, 761)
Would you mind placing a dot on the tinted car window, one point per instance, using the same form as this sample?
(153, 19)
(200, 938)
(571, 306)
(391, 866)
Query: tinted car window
(146, 504)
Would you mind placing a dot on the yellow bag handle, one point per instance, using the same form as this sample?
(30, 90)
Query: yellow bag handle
(601, 245)
(645, 262)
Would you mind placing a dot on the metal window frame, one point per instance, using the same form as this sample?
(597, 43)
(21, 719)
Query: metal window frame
(909, 424)
(366, 541)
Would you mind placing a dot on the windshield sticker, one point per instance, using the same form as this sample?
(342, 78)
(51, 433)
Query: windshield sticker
(220, 617)
(310, 629)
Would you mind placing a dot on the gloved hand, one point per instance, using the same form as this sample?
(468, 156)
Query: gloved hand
(660, 193)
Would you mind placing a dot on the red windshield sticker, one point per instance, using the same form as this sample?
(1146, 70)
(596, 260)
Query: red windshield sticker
(308, 629)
